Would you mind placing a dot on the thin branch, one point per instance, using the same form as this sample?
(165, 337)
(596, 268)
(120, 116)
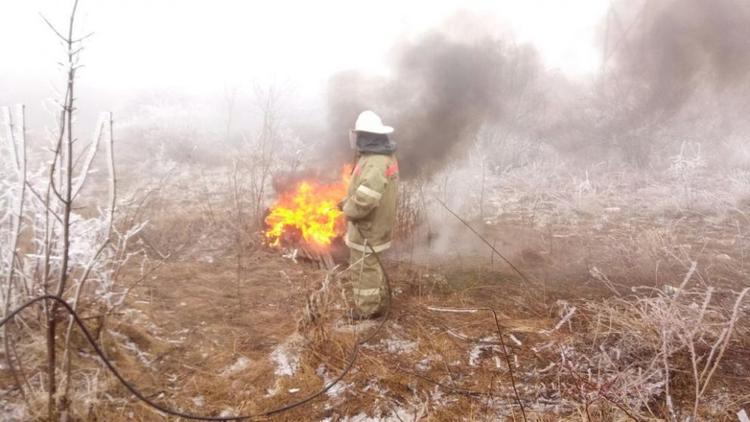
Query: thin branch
(19, 151)
(77, 40)
(52, 27)
(105, 243)
(90, 158)
(39, 197)
(730, 328)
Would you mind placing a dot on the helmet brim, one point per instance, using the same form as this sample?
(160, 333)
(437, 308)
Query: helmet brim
(382, 130)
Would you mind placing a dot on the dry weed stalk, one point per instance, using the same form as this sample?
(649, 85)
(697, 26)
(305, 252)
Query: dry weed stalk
(632, 345)
(17, 141)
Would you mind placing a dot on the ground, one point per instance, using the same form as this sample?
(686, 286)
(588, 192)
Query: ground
(204, 343)
(225, 325)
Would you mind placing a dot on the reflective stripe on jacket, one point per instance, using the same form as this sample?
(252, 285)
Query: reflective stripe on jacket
(371, 202)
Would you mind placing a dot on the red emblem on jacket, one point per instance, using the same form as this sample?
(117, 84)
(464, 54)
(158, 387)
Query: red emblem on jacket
(392, 169)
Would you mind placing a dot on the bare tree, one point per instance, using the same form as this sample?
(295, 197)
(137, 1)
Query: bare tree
(65, 183)
(263, 149)
(63, 153)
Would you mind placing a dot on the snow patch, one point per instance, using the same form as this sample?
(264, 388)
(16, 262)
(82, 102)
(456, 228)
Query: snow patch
(145, 358)
(239, 365)
(424, 364)
(399, 345)
(199, 401)
(398, 414)
(334, 391)
(286, 358)
(227, 412)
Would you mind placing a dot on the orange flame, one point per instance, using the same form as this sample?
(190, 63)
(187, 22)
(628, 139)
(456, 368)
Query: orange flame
(310, 208)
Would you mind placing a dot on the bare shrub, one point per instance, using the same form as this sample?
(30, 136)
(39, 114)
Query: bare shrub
(60, 241)
(631, 351)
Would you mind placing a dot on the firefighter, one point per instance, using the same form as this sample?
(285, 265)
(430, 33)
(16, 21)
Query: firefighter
(370, 210)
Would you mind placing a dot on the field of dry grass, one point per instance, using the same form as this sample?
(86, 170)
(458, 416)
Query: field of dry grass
(635, 309)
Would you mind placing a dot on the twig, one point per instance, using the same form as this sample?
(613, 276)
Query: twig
(502, 344)
(507, 361)
(19, 152)
(729, 329)
(90, 158)
(44, 203)
(455, 310)
(52, 27)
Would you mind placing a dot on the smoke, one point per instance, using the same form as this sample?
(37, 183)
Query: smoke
(671, 68)
(440, 92)
(449, 89)
(349, 93)
(443, 87)
(679, 46)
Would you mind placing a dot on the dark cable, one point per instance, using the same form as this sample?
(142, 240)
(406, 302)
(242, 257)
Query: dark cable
(106, 361)
(162, 408)
(483, 239)
(352, 360)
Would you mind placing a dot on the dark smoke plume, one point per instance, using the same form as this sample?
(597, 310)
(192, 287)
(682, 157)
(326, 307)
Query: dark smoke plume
(681, 45)
(440, 93)
(667, 63)
(442, 89)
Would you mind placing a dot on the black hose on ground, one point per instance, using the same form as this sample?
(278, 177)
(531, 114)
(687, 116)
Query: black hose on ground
(352, 359)
(161, 408)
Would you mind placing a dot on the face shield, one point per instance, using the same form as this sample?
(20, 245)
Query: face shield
(352, 139)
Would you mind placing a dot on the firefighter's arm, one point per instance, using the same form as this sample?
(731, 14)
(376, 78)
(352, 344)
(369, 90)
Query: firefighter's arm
(367, 195)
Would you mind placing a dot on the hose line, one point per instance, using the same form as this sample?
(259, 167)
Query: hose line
(170, 411)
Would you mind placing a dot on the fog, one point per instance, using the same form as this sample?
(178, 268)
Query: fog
(198, 51)
(595, 81)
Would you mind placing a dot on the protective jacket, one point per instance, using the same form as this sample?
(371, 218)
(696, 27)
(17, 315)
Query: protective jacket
(371, 202)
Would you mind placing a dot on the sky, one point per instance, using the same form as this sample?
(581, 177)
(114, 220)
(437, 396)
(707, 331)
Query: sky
(202, 47)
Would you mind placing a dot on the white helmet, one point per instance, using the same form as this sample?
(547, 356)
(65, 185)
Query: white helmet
(368, 121)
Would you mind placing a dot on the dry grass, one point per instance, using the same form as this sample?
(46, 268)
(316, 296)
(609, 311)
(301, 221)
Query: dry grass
(584, 341)
(643, 354)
